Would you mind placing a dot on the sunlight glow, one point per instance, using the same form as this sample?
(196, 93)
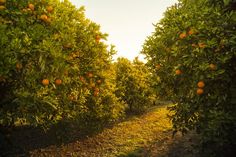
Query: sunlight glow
(128, 23)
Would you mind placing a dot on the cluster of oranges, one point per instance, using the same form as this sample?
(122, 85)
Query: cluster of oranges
(200, 85)
(2, 5)
(43, 17)
(97, 38)
(191, 32)
(46, 82)
(185, 34)
(92, 84)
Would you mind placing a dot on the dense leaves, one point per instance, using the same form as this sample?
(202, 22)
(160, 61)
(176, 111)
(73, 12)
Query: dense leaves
(193, 43)
(133, 84)
(54, 65)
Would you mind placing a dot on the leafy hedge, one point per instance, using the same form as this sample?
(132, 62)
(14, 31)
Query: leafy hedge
(54, 65)
(192, 53)
(133, 84)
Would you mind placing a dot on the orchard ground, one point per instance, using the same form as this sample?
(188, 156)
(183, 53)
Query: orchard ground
(149, 134)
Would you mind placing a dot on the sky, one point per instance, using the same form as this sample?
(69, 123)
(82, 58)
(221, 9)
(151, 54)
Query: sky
(128, 22)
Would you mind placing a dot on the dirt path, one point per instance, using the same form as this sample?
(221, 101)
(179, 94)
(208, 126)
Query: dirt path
(148, 135)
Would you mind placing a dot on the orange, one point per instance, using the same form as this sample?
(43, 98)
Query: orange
(158, 66)
(95, 93)
(58, 82)
(82, 79)
(44, 17)
(201, 84)
(212, 66)
(178, 72)
(2, 7)
(71, 97)
(31, 7)
(182, 35)
(190, 32)
(89, 74)
(99, 81)
(18, 66)
(200, 91)
(97, 38)
(96, 89)
(201, 45)
(45, 82)
(49, 9)
(2, 1)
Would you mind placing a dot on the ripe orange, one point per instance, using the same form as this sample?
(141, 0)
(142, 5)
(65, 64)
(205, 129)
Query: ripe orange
(158, 66)
(99, 81)
(200, 91)
(89, 74)
(201, 45)
(178, 72)
(212, 66)
(58, 82)
(201, 84)
(96, 93)
(182, 35)
(82, 79)
(96, 89)
(2, 1)
(191, 31)
(31, 7)
(49, 9)
(97, 38)
(18, 66)
(44, 17)
(71, 97)
(45, 82)
(2, 7)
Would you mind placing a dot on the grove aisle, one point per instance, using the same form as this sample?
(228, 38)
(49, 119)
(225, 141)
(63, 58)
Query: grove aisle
(146, 135)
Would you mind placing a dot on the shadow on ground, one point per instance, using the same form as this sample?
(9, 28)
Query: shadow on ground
(21, 140)
(178, 146)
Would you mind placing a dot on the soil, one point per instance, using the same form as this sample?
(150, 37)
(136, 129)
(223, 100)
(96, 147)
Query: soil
(148, 135)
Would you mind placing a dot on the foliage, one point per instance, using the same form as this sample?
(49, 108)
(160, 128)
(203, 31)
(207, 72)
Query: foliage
(133, 84)
(195, 42)
(53, 65)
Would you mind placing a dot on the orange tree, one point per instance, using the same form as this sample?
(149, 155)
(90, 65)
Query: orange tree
(133, 84)
(192, 54)
(53, 63)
